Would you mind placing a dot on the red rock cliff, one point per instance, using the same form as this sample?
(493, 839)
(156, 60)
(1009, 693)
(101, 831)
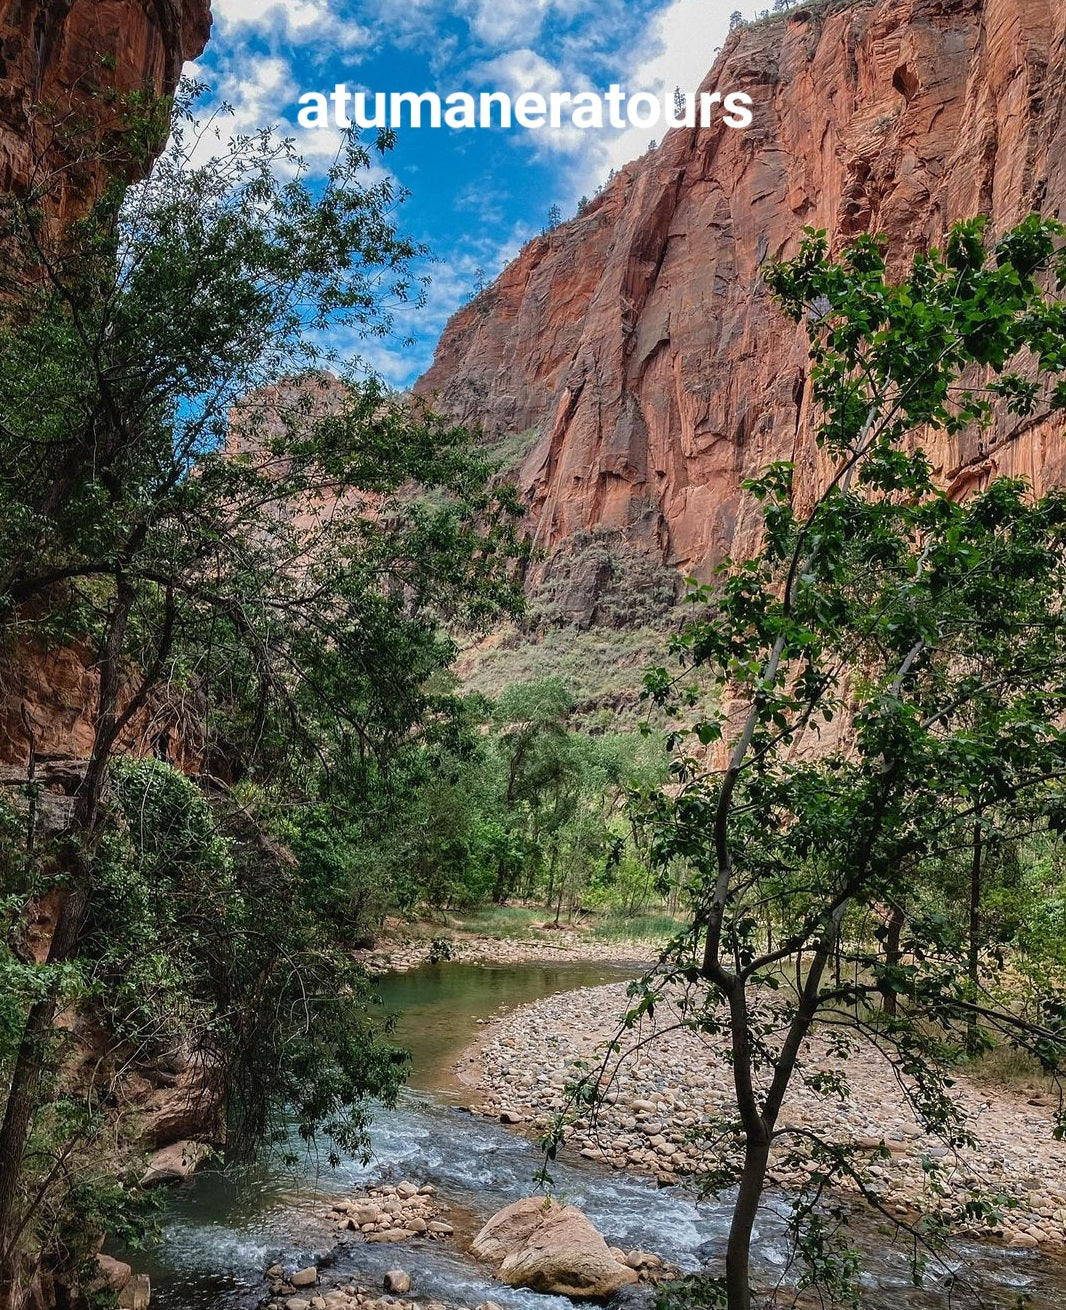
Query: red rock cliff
(638, 339)
(63, 61)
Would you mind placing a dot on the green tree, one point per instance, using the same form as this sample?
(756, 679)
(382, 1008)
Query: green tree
(853, 648)
(276, 554)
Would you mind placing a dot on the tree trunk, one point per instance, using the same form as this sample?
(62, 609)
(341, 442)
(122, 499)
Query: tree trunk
(759, 1115)
(893, 954)
(973, 945)
(25, 1089)
(738, 1249)
(550, 895)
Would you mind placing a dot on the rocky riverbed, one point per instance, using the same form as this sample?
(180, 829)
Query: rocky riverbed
(677, 1082)
(393, 1213)
(532, 1243)
(546, 947)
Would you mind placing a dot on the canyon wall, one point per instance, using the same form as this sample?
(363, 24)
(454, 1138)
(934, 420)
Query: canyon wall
(65, 66)
(639, 341)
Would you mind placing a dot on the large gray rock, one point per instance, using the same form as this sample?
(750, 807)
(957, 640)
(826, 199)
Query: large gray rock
(173, 1164)
(551, 1248)
(113, 1273)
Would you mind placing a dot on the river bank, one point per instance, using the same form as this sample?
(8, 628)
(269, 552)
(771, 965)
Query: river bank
(675, 1083)
(400, 952)
(232, 1239)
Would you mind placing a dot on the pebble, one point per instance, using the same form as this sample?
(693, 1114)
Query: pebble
(391, 1213)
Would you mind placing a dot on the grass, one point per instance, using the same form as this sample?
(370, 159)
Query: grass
(653, 926)
(603, 668)
(815, 7)
(1006, 1066)
(509, 921)
(515, 922)
(509, 453)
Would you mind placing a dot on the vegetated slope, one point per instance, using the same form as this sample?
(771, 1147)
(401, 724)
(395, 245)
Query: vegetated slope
(638, 340)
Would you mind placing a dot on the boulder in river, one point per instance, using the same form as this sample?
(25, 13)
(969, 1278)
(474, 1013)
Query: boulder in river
(136, 1294)
(551, 1248)
(175, 1163)
(114, 1274)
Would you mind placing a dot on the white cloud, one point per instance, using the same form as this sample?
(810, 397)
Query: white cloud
(524, 70)
(302, 21)
(677, 47)
(683, 39)
(518, 71)
(503, 23)
(260, 90)
(492, 25)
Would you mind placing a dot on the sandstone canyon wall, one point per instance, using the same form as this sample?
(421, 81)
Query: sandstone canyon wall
(639, 341)
(67, 62)
(62, 60)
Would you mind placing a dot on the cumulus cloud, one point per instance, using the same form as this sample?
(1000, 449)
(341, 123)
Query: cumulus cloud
(518, 71)
(301, 21)
(682, 41)
(677, 46)
(248, 94)
(525, 70)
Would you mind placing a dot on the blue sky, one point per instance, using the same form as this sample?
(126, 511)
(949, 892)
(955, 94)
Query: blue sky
(475, 196)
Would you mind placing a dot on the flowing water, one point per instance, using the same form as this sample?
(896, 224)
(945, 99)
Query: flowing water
(222, 1232)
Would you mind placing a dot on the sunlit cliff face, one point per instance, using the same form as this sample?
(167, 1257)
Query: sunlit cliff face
(638, 344)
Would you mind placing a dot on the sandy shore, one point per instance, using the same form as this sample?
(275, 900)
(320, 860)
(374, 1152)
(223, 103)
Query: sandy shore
(674, 1084)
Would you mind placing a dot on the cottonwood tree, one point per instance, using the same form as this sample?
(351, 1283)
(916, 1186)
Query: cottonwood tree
(849, 653)
(276, 555)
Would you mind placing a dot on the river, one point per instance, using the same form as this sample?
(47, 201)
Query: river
(222, 1231)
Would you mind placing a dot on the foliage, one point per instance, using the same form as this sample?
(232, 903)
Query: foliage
(601, 579)
(513, 801)
(165, 899)
(893, 666)
(440, 950)
(257, 549)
